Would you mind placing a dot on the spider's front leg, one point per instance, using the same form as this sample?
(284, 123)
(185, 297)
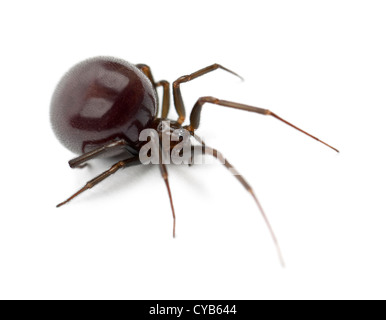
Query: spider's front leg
(163, 83)
(195, 115)
(178, 102)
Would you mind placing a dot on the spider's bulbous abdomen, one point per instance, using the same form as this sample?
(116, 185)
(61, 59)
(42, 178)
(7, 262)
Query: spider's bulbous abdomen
(99, 100)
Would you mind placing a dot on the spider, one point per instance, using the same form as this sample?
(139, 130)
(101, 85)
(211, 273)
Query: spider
(102, 104)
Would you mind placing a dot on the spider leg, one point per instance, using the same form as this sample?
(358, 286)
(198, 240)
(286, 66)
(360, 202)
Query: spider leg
(164, 84)
(78, 161)
(178, 102)
(165, 98)
(200, 141)
(196, 113)
(215, 153)
(165, 176)
(120, 164)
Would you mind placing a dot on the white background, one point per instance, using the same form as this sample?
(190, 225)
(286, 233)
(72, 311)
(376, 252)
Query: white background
(318, 64)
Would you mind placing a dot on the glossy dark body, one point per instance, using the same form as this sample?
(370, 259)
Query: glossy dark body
(100, 100)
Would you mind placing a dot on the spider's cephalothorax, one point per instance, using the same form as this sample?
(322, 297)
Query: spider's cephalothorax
(103, 104)
(173, 132)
